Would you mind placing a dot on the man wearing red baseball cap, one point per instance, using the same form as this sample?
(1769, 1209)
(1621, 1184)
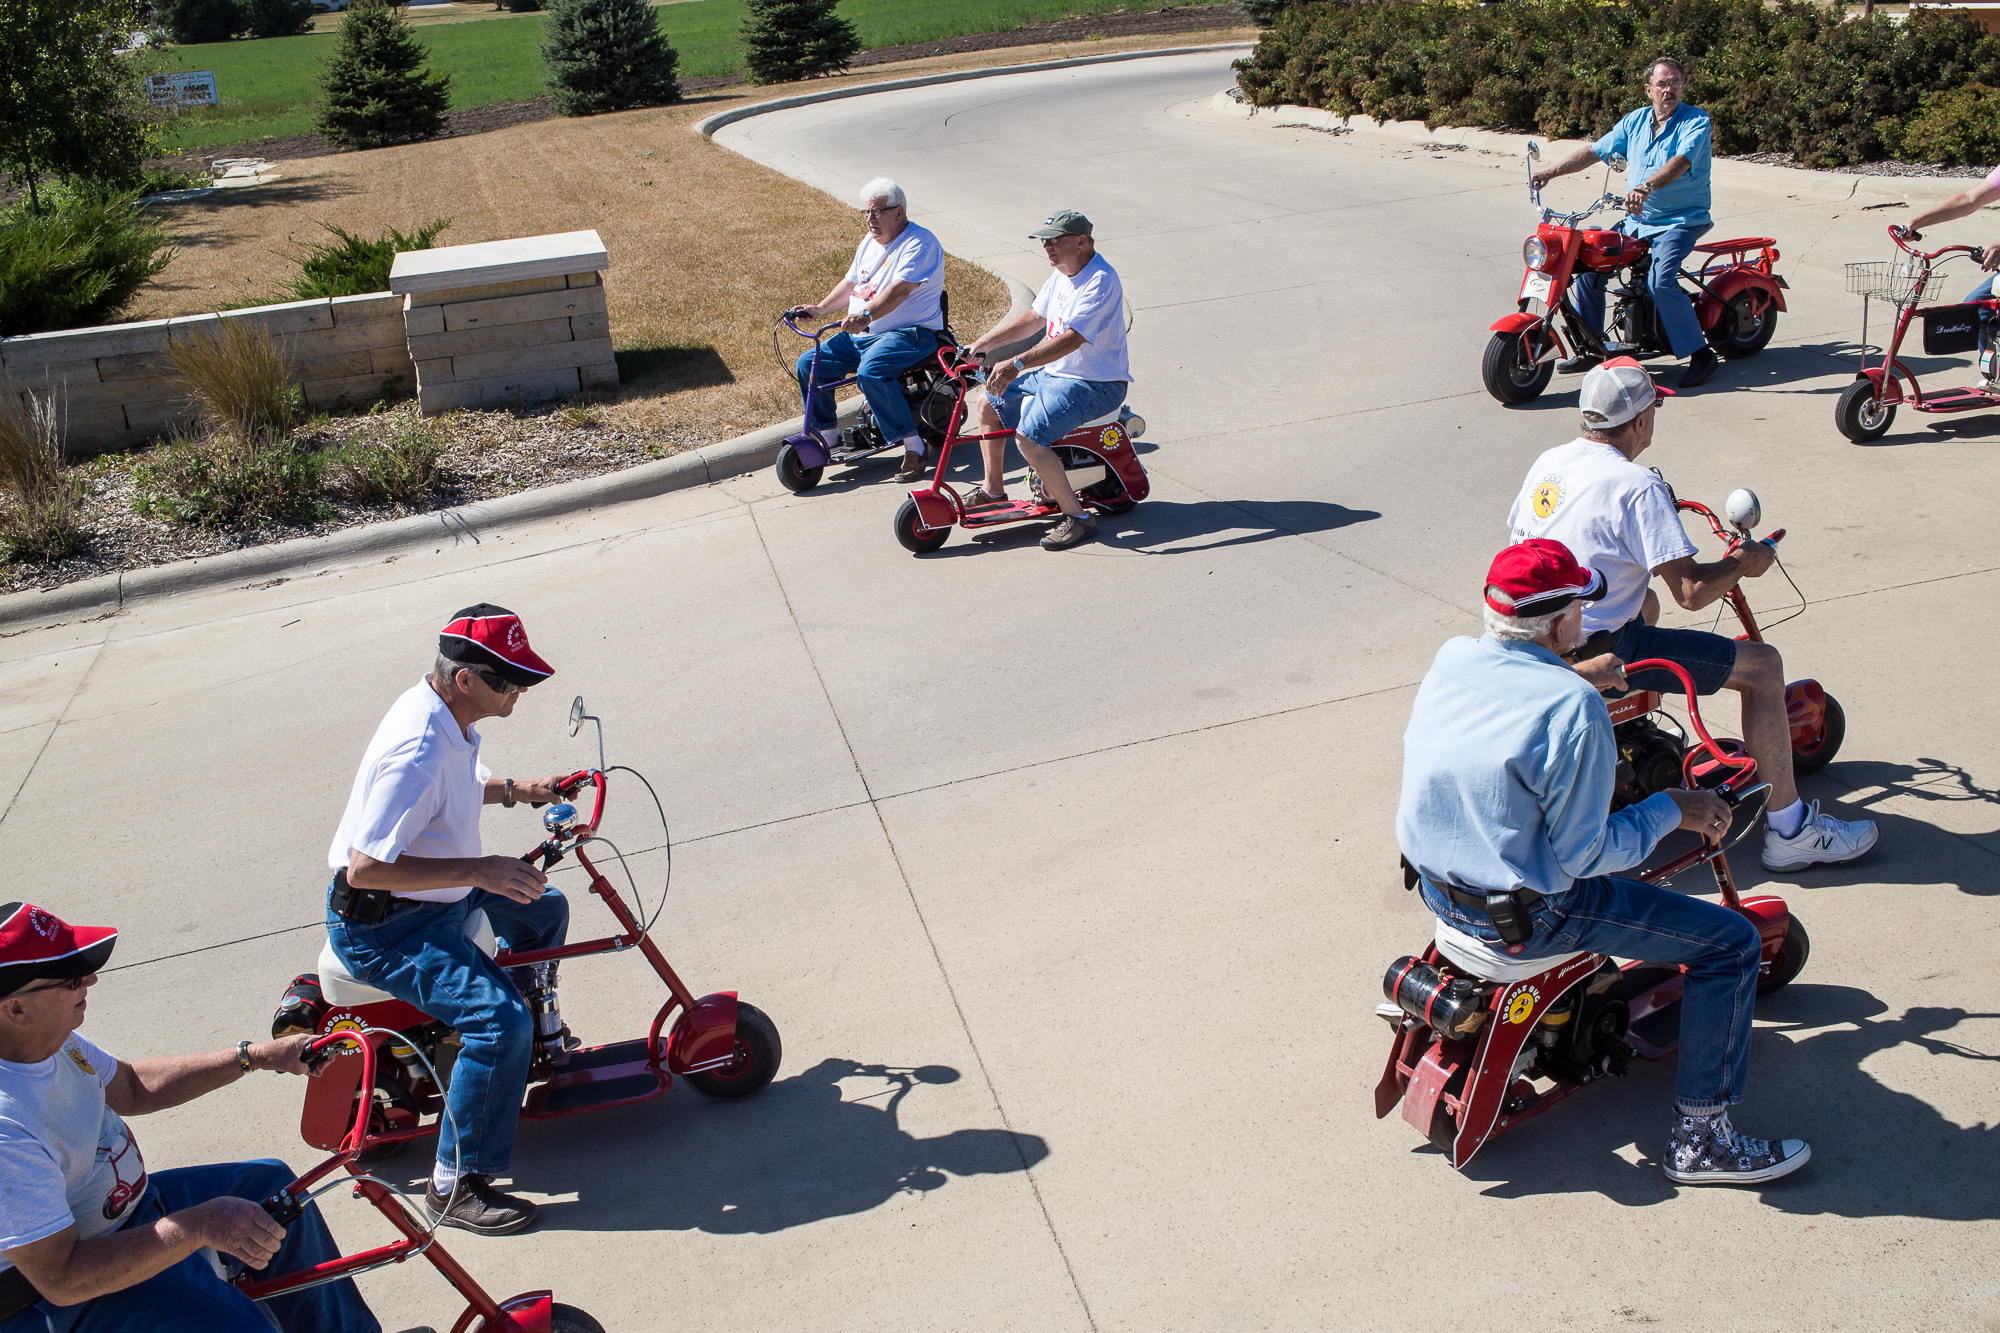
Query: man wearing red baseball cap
(1508, 767)
(87, 1238)
(408, 872)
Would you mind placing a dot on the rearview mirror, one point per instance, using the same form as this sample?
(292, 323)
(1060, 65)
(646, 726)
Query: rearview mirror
(1534, 151)
(1618, 161)
(576, 715)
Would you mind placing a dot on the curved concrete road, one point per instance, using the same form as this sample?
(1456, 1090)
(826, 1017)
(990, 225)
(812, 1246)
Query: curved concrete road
(1070, 879)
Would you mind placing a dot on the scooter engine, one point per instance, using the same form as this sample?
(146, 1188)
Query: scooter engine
(1649, 760)
(1583, 1035)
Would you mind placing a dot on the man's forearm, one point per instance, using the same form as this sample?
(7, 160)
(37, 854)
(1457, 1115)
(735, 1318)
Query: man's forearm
(411, 874)
(1055, 349)
(1676, 168)
(109, 1263)
(891, 296)
(1011, 330)
(1580, 160)
(1711, 581)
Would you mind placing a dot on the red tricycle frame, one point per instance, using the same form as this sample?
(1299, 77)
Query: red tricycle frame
(1868, 406)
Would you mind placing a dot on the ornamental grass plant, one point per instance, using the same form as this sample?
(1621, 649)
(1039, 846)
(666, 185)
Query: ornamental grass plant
(241, 379)
(41, 514)
(402, 467)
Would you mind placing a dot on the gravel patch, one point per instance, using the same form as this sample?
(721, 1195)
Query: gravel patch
(1916, 169)
(488, 454)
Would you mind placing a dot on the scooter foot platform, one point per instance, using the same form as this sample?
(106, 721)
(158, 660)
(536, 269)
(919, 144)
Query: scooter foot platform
(594, 1078)
(1011, 512)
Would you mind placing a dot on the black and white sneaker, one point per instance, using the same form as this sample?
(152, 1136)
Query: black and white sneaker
(480, 1208)
(1707, 1150)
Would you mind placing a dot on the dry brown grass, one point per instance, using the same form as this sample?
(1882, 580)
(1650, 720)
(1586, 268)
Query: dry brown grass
(706, 247)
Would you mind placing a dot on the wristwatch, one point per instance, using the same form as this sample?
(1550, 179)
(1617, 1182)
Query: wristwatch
(243, 1056)
(1018, 367)
(507, 794)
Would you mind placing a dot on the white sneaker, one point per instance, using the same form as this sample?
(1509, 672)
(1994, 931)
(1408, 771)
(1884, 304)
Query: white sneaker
(1821, 840)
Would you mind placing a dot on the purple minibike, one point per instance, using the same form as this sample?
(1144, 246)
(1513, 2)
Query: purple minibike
(804, 458)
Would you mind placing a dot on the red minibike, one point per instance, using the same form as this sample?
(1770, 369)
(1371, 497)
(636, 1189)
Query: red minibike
(1483, 1041)
(1097, 457)
(1737, 298)
(1868, 406)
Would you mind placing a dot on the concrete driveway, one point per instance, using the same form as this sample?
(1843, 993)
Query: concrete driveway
(1070, 879)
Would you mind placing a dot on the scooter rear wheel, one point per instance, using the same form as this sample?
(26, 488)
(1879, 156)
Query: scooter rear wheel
(758, 1050)
(1812, 758)
(1861, 415)
(1741, 331)
(793, 474)
(911, 532)
(1509, 369)
(1791, 959)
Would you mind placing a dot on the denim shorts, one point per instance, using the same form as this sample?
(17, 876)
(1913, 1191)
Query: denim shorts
(1709, 659)
(1046, 407)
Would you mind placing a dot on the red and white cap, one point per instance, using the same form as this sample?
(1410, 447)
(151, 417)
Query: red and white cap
(1538, 577)
(35, 944)
(491, 636)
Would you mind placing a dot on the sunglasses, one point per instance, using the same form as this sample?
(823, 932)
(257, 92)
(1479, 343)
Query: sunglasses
(496, 684)
(74, 983)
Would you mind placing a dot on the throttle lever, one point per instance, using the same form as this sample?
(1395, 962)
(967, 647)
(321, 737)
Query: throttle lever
(284, 1207)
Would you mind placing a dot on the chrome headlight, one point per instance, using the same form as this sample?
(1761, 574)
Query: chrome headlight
(1535, 253)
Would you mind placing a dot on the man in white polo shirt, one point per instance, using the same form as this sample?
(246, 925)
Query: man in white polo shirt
(408, 871)
(1619, 518)
(1078, 373)
(893, 295)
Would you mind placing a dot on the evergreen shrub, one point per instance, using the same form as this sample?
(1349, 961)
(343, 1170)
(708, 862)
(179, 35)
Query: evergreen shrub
(275, 18)
(606, 55)
(374, 88)
(1962, 125)
(189, 22)
(788, 40)
(76, 263)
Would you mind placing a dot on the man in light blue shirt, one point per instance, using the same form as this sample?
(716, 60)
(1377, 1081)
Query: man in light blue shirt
(1665, 145)
(1508, 767)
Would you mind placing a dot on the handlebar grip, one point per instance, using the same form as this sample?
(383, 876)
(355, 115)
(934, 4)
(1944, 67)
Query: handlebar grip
(284, 1207)
(1775, 538)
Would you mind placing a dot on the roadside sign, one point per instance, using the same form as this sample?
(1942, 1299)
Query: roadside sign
(181, 89)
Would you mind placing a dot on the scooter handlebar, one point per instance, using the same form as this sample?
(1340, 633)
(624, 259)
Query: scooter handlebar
(1902, 236)
(1743, 765)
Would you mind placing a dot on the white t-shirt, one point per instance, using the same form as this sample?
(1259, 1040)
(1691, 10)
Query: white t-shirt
(420, 790)
(67, 1158)
(1615, 517)
(914, 256)
(1092, 303)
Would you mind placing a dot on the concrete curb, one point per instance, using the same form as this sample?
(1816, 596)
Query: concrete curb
(1825, 186)
(707, 128)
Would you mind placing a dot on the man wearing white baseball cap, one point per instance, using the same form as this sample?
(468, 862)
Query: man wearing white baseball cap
(1593, 497)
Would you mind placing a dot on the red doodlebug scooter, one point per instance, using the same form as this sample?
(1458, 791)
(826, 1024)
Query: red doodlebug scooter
(724, 1048)
(1484, 1041)
(1737, 297)
(1097, 457)
(1868, 406)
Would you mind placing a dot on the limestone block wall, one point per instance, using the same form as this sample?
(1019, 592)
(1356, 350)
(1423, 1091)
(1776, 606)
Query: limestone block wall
(119, 388)
(503, 323)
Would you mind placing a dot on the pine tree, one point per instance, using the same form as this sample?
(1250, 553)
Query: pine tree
(606, 55)
(785, 40)
(276, 18)
(374, 88)
(189, 22)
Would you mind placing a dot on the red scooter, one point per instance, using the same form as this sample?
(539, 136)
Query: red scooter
(1868, 406)
(1737, 297)
(1097, 457)
(1652, 747)
(1483, 1042)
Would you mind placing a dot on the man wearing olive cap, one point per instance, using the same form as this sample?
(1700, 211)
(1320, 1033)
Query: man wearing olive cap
(408, 871)
(1079, 373)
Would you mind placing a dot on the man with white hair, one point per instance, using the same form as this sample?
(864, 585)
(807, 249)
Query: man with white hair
(893, 295)
(1592, 496)
(1508, 766)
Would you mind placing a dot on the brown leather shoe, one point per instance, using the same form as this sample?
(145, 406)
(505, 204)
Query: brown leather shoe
(1074, 530)
(480, 1208)
(913, 467)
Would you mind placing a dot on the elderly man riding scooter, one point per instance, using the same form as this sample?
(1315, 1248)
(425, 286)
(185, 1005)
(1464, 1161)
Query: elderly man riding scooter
(1508, 767)
(1079, 373)
(1592, 495)
(93, 1243)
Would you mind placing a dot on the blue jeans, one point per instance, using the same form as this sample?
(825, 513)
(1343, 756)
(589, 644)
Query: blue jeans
(1045, 407)
(878, 358)
(421, 956)
(189, 1297)
(1709, 659)
(1670, 250)
(1628, 919)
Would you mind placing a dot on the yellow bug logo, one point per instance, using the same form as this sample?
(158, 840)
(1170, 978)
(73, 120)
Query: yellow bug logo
(1547, 496)
(1522, 1006)
(1109, 439)
(76, 1056)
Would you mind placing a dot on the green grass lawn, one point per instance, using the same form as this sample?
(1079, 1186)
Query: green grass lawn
(267, 86)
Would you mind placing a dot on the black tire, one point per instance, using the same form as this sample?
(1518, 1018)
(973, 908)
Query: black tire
(1860, 415)
(1740, 332)
(758, 1051)
(1791, 959)
(911, 532)
(1509, 368)
(1812, 759)
(793, 474)
(569, 1319)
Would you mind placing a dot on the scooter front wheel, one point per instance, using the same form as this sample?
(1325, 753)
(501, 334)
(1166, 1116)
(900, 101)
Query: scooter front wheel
(1510, 370)
(1812, 758)
(911, 532)
(758, 1050)
(793, 474)
(1790, 961)
(1861, 414)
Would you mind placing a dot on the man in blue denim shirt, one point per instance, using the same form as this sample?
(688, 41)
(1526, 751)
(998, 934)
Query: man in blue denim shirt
(1665, 146)
(1508, 767)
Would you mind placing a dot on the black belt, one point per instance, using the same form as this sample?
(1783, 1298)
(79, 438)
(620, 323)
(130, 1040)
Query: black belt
(1477, 901)
(367, 907)
(1507, 910)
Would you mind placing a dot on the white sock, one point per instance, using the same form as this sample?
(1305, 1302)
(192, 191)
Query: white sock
(443, 1178)
(913, 444)
(1787, 822)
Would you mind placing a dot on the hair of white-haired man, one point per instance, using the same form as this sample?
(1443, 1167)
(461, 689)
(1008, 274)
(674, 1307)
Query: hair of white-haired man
(1520, 629)
(883, 189)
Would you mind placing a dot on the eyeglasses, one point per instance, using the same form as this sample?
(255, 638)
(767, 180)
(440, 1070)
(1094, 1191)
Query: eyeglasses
(74, 983)
(496, 684)
(878, 212)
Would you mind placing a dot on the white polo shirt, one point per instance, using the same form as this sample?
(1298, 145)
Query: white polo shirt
(420, 790)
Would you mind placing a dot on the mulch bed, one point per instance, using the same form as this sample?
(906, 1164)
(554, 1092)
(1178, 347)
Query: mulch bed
(500, 115)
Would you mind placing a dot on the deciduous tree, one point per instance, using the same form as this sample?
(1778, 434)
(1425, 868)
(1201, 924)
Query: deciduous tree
(73, 106)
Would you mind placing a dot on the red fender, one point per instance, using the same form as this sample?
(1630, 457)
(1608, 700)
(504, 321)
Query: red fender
(1111, 446)
(1516, 1010)
(1888, 386)
(1518, 322)
(937, 506)
(530, 1312)
(1708, 309)
(1773, 922)
(705, 1035)
(1805, 711)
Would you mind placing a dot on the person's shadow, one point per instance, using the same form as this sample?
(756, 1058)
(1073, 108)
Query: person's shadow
(796, 1153)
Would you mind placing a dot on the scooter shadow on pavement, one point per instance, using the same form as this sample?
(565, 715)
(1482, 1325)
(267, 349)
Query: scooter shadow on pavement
(802, 1151)
(1911, 850)
(1171, 527)
(1877, 1151)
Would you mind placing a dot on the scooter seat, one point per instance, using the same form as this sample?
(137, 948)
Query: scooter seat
(1108, 419)
(340, 987)
(1489, 961)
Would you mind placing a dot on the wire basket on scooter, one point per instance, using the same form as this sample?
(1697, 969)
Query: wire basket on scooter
(1898, 280)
